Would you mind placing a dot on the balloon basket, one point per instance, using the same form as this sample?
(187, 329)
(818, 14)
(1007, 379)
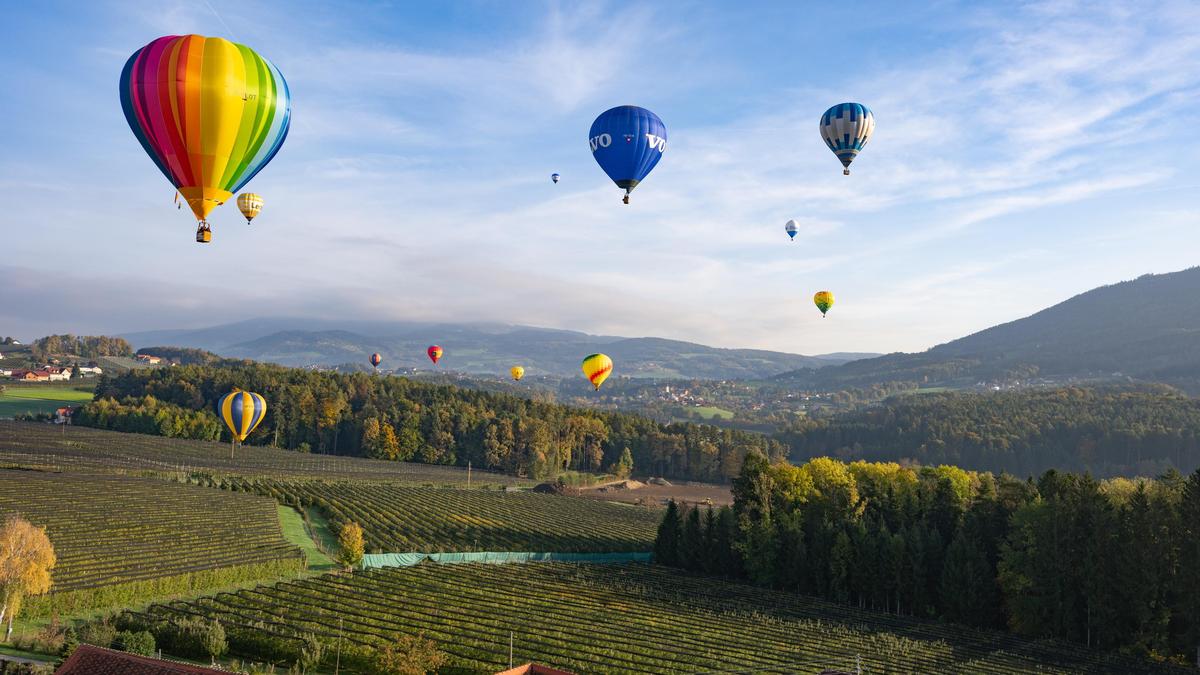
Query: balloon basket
(203, 234)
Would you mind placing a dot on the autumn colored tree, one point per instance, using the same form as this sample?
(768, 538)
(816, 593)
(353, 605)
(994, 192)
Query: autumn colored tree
(26, 559)
(350, 544)
(409, 655)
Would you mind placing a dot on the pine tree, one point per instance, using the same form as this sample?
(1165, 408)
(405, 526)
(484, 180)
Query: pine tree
(691, 542)
(666, 544)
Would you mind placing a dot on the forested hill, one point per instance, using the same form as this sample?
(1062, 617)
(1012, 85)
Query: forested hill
(479, 349)
(1148, 328)
(1111, 431)
(402, 419)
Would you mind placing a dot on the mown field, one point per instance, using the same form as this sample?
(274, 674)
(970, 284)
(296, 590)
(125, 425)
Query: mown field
(81, 449)
(20, 399)
(120, 538)
(398, 519)
(616, 619)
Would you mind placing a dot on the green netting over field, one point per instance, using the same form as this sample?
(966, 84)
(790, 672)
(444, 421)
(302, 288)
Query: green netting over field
(371, 560)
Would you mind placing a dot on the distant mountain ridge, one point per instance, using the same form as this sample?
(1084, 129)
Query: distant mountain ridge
(482, 348)
(1147, 329)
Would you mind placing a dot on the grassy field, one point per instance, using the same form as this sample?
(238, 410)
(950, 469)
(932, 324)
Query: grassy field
(709, 412)
(620, 619)
(398, 519)
(120, 538)
(81, 449)
(297, 532)
(22, 399)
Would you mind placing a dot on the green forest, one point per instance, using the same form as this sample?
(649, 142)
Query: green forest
(85, 346)
(1111, 431)
(1106, 564)
(401, 419)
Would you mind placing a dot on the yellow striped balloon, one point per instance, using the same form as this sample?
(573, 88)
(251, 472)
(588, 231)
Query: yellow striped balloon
(517, 373)
(597, 368)
(250, 205)
(242, 411)
(823, 300)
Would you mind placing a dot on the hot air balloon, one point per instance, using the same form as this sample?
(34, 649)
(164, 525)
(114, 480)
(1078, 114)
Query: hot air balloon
(517, 373)
(627, 141)
(554, 177)
(846, 128)
(791, 229)
(210, 113)
(376, 359)
(242, 411)
(435, 353)
(823, 300)
(250, 205)
(597, 368)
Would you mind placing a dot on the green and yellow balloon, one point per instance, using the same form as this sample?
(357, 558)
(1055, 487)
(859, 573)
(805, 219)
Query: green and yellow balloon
(823, 300)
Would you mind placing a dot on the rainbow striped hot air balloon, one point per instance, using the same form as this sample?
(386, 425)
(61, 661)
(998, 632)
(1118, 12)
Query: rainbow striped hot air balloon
(242, 412)
(210, 113)
(597, 368)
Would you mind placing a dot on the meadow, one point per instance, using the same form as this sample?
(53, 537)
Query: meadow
(18, 399)
(616, 618)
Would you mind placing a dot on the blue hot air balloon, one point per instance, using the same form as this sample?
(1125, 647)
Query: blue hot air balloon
(554, 177)
(627, 141)
(791, 229)
(846, 128)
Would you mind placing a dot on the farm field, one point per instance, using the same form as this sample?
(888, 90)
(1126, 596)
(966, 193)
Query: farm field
(397, 519)
(113, 531)
(618, 619)
(20, 400)
(82, 449)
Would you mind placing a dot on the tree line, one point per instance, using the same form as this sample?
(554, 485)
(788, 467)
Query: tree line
(1105, 431)
(403, 419)
(1110, 564)
(85, 346)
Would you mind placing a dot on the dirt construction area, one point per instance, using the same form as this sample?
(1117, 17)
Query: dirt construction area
(656, 491)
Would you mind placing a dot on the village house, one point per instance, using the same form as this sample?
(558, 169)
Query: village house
(90, 371)
(58, 373)
(152, 360)
(30, 375)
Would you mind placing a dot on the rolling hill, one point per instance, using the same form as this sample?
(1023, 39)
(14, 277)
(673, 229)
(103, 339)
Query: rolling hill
(477, 348)
(1146, 329)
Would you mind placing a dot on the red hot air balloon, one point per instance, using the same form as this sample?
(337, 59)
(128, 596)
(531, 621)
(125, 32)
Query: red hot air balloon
(435, 353)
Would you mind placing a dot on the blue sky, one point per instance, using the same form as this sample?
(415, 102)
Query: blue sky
(1023, 153)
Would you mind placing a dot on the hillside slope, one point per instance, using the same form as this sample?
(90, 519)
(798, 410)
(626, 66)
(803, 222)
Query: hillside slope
(478, 348)
(1148, 329)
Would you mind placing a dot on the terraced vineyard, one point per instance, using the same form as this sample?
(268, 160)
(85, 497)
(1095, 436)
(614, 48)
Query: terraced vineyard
(119, 537)
(398, 519)
(618, 618)
(81, 449)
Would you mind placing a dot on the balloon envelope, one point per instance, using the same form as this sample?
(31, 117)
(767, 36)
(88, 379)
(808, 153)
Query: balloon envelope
(791, 229)
(823, 300)
(846, 128)
(554, 177)
(517, 373)
(627, 142)
(434, 352)
(597, 368)
(210, 113)
(242, 412)
(376, 359)
(250, 205)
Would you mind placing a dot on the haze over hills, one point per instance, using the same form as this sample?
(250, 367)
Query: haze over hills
(477, 348)
(1146, 329)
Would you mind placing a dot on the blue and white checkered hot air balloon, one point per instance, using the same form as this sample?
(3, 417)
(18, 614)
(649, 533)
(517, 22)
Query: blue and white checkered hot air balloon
(627, 141)
(846, 128)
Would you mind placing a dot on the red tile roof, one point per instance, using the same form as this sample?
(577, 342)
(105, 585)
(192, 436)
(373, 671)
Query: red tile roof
(89, 660)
